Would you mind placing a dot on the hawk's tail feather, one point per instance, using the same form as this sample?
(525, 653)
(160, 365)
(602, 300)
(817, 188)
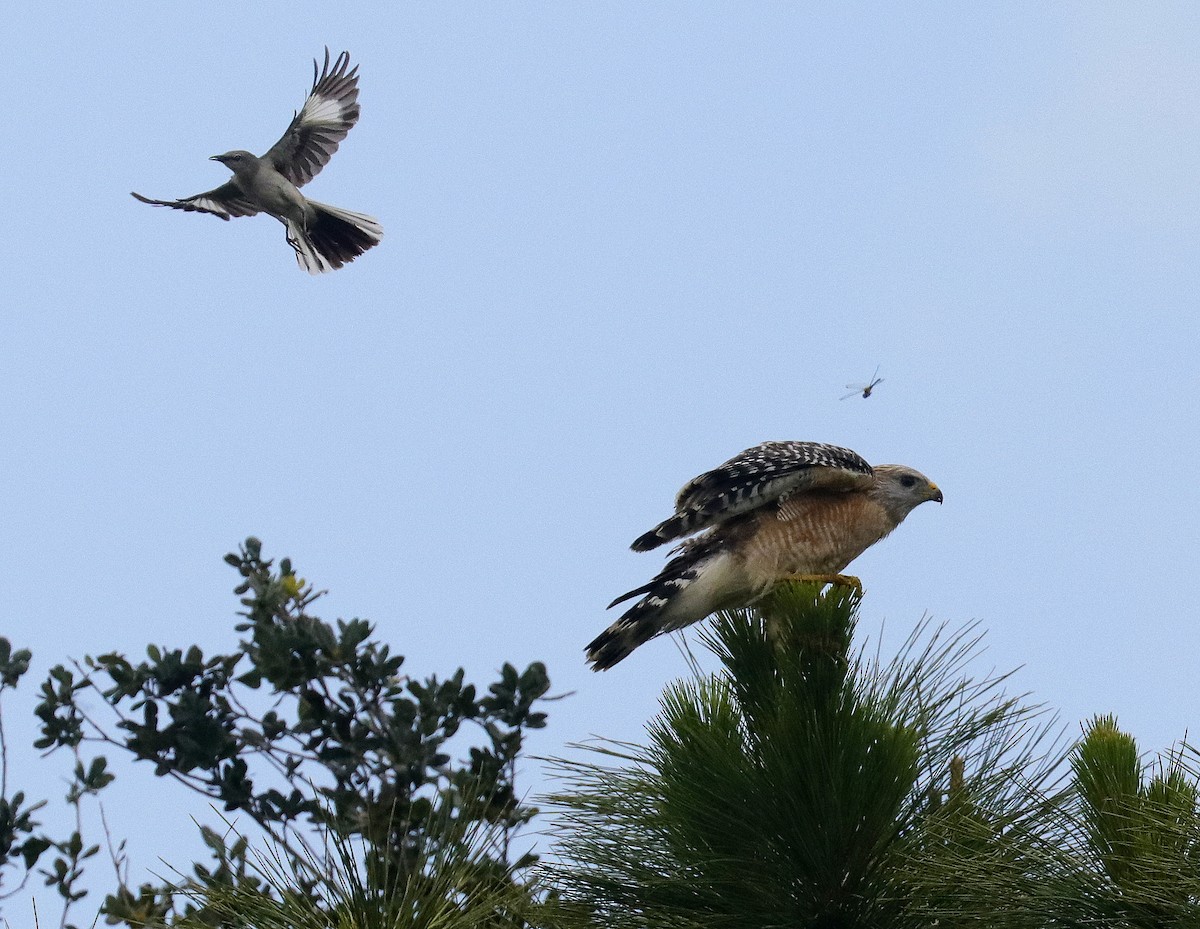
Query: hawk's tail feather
(667, 531)
(637, 591)
(334, 237)
(671, 601)
(616, 642)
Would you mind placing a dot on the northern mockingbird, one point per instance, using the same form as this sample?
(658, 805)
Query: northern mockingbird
(324, 237)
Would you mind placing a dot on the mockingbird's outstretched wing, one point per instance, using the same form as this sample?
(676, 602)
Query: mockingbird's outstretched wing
(225, 201)
(327, 115)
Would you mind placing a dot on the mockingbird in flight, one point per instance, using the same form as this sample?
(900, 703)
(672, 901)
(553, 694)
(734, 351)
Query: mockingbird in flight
(324, 237)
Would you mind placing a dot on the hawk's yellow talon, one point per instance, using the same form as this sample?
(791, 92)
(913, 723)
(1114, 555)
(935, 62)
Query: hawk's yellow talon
(841, 580)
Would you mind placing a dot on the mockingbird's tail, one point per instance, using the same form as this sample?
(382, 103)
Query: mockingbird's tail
(333, 238)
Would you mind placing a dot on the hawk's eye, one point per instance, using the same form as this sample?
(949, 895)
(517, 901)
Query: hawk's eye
(908, 481)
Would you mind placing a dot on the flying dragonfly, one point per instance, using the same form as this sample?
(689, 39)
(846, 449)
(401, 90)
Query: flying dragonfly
(865, 389)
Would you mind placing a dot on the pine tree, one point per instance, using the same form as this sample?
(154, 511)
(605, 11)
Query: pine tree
(800, 785)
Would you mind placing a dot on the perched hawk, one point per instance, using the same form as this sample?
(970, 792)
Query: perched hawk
(324, 237)
(778, 510)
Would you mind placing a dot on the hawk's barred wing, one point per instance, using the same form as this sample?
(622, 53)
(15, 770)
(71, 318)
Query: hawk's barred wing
(753, 478)
(326, 117)
(225, 201)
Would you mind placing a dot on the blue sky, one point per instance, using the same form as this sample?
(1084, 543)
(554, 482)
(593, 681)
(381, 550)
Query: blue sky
(623, 242)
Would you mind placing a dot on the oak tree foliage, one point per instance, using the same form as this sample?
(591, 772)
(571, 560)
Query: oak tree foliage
(312, 730)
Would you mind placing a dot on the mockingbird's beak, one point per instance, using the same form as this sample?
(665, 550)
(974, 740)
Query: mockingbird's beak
(216, 157)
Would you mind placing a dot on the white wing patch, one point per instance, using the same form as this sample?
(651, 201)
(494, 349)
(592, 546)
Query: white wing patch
(325, 111)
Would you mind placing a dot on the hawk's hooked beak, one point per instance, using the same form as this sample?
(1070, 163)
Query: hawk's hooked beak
(935, 492)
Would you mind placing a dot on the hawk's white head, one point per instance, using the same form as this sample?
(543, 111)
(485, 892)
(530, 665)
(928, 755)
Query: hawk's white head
(900, 489)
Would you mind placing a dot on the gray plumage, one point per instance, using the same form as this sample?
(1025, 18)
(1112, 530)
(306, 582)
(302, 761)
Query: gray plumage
(324, 237)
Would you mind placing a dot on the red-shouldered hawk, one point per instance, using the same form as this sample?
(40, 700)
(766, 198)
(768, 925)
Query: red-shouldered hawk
(778, 510)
